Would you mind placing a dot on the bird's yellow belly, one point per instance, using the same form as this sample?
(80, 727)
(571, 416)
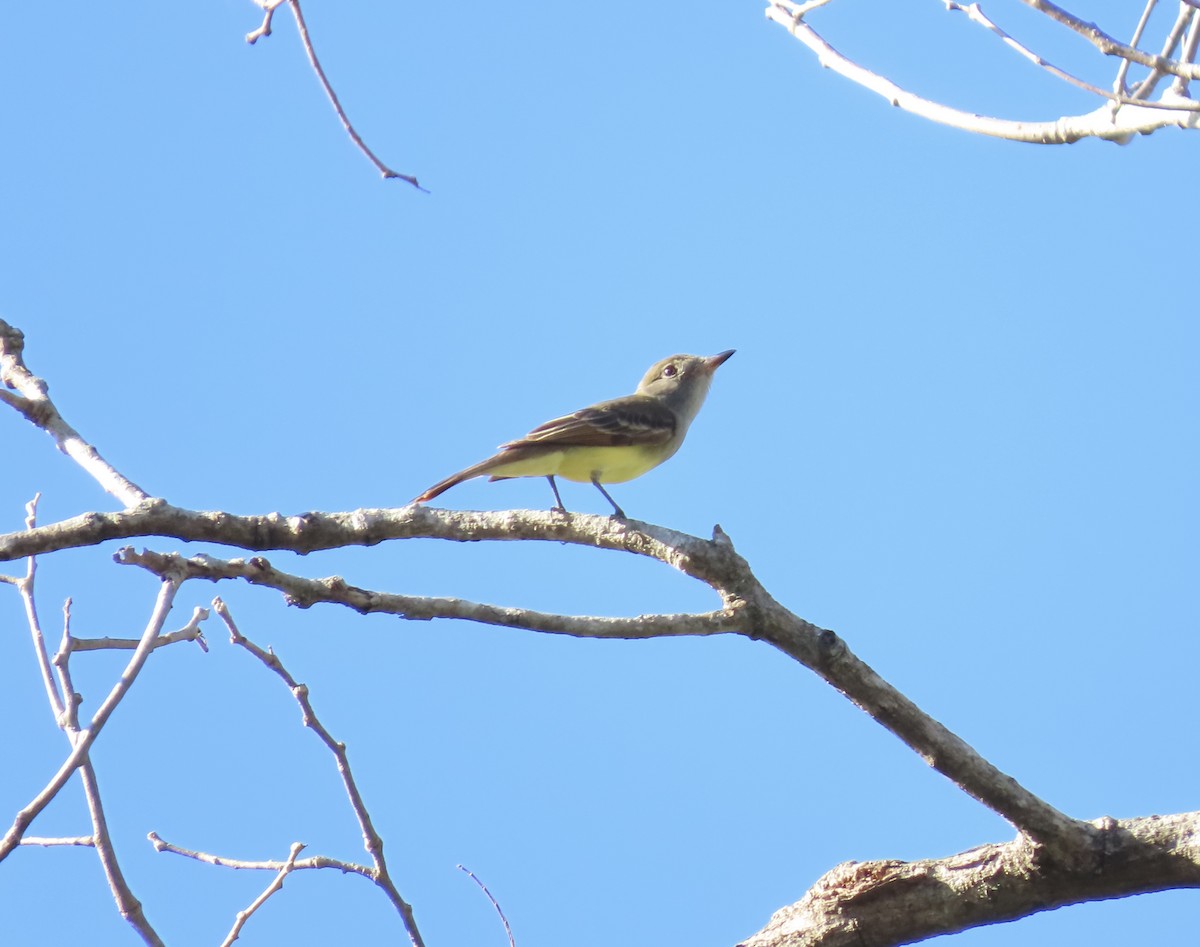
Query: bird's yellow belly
(607, 464)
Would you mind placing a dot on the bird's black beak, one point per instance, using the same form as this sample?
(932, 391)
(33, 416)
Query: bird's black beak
(716, 361)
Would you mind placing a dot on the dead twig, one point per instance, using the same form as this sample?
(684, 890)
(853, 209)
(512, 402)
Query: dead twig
(264, 29)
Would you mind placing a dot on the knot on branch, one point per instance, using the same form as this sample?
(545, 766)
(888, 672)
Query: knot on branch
(12, 340)
(830, 647)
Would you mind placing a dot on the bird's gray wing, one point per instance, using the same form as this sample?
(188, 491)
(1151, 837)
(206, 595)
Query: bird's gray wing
(618, 423)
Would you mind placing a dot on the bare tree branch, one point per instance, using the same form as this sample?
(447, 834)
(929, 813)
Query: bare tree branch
(1180, 85)
(128, 905)
(974, 12)
(495, 904)
(372, 841)
(1118, 122)
(1055, 857)
(264, 29)
(758, 616)
(714, 562)
(275, 885)
(1111, 46)
(883, 903)
(84, 740)
(33, 401)
(78, 840)
(1146, 87)
(25, 588)
(1123, 70)
(64, 704)
(240, 864)
(311, 532)
(189, 632)
(304, 593)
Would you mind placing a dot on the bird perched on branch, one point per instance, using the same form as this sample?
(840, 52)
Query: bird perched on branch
(610, 442)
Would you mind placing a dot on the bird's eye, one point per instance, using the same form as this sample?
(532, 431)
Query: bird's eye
(670, 371)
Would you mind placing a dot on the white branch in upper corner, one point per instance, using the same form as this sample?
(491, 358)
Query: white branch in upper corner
(1113, 47)
(1115, 121)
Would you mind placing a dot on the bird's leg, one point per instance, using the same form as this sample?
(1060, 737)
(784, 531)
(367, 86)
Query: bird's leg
(558, 506)
(617, 511)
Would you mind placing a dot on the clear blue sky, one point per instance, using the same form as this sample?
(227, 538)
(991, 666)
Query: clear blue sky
(959, 430)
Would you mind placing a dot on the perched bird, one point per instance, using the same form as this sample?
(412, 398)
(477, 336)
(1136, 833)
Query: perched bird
(610, 442)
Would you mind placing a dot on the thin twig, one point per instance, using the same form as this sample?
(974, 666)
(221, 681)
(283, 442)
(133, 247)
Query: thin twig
(311, 863)
(495, 904)
(269, 7)
(264, 29)
(83, 743)
(189, 632)
(974, 12)
(84, 840)
(1146, 87)
(1188, 53)
(1123, 70)
(64, 704)
(1110, 45)
(800, 9)
(25, 588)
(275, 885)
(67, 716)
(371, 838)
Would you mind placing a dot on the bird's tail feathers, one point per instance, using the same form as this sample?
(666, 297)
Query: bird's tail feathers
(475, 470)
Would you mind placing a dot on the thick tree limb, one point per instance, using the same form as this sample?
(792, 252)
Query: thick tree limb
(311, 532)
(882, 903)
